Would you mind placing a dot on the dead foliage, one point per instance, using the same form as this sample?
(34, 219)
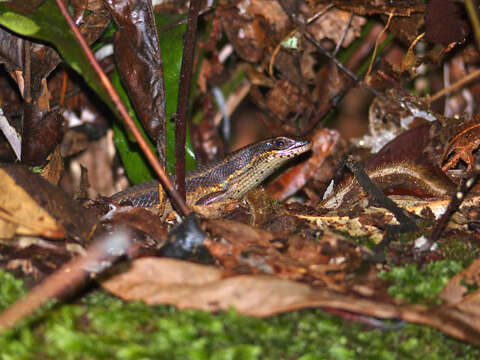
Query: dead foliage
(319, 235)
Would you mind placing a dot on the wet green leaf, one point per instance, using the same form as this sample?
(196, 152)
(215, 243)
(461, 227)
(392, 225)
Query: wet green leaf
(135, 163)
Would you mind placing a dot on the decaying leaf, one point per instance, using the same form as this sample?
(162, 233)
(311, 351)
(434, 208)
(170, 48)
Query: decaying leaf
(370, 221)
(463, 144)
(194, 286)
(332, 25)
(445, 22)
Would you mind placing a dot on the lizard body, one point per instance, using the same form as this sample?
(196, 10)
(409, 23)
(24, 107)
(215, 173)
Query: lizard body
(229, 178)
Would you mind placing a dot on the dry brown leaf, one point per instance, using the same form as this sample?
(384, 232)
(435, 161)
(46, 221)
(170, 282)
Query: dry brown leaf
(245, 249)
(193, 286)
(462, 145)
(188, 285)
(332, 26)
(36, 207)
(20, 214)
(53, 171)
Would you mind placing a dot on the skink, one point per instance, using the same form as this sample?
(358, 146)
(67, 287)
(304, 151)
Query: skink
(229, 178)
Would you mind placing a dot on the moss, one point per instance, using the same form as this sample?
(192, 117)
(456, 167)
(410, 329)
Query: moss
(101, 326)
(460, 250)
(10, 289)
(421, 285)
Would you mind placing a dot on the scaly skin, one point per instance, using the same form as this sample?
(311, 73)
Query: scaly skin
(229, 178)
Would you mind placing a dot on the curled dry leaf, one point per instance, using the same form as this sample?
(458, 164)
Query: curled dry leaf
(463, 144)
(20, 214)
(247, 34)
(139, 219)
(188, 285)
(390, 115)
(286, 98)
(251, 26)
(138, 57)
(357, 220)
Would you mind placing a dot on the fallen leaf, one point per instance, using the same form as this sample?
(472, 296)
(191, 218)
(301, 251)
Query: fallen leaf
(36, 207)
(193, 286)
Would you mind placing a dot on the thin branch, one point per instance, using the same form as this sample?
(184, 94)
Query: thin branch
(377, 195)
(344, 34)
(322, 12)
(455, 202)
(64, 87)
(167, 184)
(27, 95)
(454, 87)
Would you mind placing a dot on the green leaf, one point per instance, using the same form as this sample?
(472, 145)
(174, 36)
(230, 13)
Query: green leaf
(135, 163)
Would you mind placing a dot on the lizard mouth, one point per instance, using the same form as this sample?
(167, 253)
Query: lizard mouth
(300, 146)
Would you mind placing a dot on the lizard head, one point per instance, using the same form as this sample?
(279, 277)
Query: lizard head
(286, 147)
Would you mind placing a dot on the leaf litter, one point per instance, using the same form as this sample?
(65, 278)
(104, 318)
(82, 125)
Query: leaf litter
(267, 257)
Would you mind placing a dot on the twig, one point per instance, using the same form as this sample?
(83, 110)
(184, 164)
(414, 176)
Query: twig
(344, 35)
(64, 87)
(167, 184)
(69, 277)
(377, 43)
(276, 50)
(314, 17)
(406, 224)
(27, 72)
(183, 95)
(377, 194)
(454, 86)
(457, 199)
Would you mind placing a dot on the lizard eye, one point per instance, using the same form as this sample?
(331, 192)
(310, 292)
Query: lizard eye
(280, 143)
